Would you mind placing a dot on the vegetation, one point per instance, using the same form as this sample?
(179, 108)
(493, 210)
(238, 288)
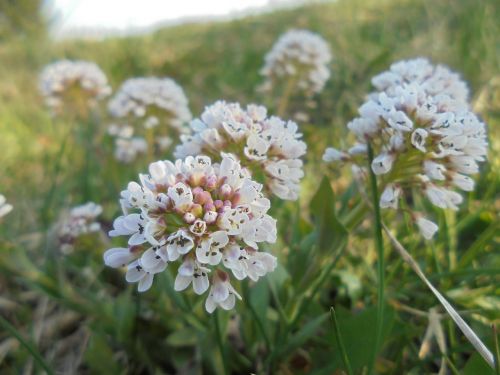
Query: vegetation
(70, 314)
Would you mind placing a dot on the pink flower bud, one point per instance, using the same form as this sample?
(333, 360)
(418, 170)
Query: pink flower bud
(226, 190)
(209, 206)
(197, 190)
(211, 183)
(203, 197)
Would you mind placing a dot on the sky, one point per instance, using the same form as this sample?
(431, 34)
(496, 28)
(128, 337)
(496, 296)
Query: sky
(135, 14)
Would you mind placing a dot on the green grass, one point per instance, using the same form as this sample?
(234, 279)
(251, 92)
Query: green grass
(79, 315)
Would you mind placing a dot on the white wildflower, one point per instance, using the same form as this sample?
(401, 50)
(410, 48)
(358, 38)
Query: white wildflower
(418, 138)
(390, 196)
(221, 293)
(423, 135)
(435, 80)
(127, 149)
(67, 81)
(5, 208)
(382, 164)
(427, 228)
(301, 56)
(157, 101)
(156, 105)
(332, 154)
(248, 262)
(271, 145)
(192, 212)
(192, 272)
(80, 221)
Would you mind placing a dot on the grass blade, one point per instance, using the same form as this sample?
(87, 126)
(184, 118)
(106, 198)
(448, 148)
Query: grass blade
(33, 351)
(462, 325)
(220, 342)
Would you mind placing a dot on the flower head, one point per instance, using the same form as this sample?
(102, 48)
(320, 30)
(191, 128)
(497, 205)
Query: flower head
(5, 208)
(302, 56)
(208, 218)
(77, 83)
(423, 134)
(127, 149)
(80, 221)
(433, 79)
(155, 105)
(265, 145)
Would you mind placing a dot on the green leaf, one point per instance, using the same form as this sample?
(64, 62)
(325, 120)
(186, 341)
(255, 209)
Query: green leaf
(358, 334)
(259, 297)
(99, 356)
(339, 342)
(477, 365)
(124, 310)
(331, 234)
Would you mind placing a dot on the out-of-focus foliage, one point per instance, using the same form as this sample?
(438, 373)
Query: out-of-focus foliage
(21, 19)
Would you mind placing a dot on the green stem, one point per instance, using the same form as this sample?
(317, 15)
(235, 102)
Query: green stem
(305, 302)
(256, 317)
(497, 350)
(285, 98)
(449, 221)
(220, 342)
(276, 299)
(379, 245)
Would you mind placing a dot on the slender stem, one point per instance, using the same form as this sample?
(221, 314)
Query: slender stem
(150, 140)
(379, 244)
(449, 222)
(220, 342)
(279, 306)
(340, 342)
(285, 98)
(316, 286)
(453, 368)
(256, 317)
(497, 350)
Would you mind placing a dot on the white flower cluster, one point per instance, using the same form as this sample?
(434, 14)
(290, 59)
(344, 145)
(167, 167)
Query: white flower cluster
(433, 79)
(299, 55)
(264, 144)
(5, 208)
(423, 135)
(157, 104)
(127, 147)
(80, 221)
(208, 217)
(65, 78)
